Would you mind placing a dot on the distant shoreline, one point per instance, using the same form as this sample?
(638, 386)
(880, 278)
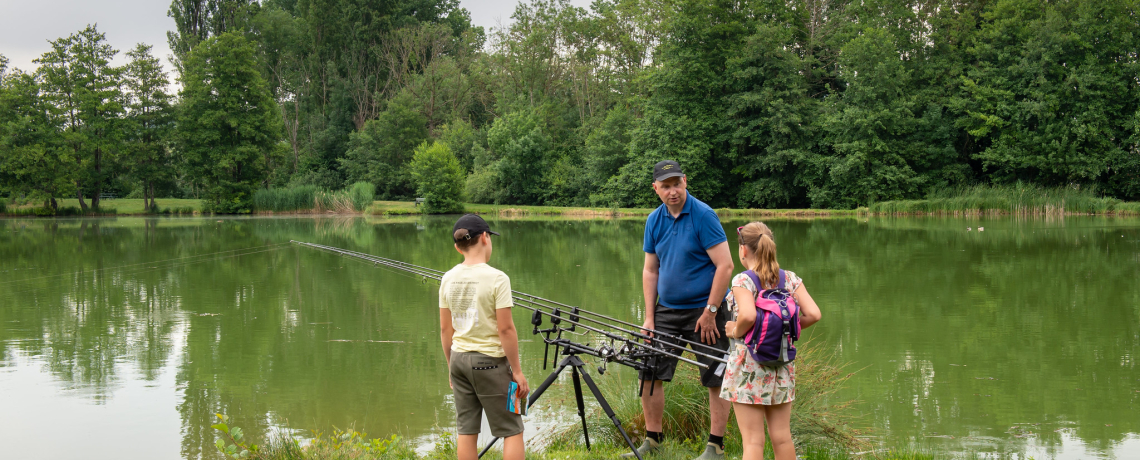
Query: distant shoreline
(905, 208)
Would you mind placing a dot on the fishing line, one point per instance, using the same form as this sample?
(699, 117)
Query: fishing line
(140, 270)
(273, 246)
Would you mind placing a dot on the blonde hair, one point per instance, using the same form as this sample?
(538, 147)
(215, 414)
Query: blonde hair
(758, 238)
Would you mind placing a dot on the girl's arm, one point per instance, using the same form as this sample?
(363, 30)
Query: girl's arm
(745, 311)
(509, 337)
(809, 311)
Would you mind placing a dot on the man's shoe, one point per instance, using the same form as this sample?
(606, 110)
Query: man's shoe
(648, 446)
(712, 452)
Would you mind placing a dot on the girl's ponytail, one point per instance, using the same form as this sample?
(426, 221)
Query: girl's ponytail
(758, 238)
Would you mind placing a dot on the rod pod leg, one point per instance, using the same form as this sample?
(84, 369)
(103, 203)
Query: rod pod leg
(581, 404)
(607, 409)
(534, 395)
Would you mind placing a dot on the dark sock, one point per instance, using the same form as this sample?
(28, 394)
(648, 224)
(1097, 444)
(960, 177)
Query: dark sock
(655, 435)
(718, 440)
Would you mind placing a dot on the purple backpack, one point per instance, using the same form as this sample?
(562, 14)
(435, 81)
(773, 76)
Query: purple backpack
(772, 339)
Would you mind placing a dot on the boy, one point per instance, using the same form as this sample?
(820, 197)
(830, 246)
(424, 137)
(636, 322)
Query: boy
(480, 342)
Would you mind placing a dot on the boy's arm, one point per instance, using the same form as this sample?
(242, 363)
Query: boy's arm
(509, 337)
(446, 332)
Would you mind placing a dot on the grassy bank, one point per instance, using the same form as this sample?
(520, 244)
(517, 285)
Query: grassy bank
(1018, 199)
(113, 207)
(353, 445)
(396, 208)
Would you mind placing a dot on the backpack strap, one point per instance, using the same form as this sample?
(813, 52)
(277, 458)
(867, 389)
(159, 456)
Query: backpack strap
(755, 281)
(783, 279)
(766, 306)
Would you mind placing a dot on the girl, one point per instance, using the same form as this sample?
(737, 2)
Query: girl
(760, 393)
(480, 342)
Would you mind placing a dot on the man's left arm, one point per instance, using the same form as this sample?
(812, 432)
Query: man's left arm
(722, 258)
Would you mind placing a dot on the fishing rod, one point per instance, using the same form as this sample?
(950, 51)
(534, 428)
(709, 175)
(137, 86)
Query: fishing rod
(631, 353)
(529, 302)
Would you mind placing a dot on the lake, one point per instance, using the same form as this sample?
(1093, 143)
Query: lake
(122, 337)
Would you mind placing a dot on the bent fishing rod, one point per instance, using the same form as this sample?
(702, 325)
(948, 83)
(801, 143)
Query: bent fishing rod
(554, 310)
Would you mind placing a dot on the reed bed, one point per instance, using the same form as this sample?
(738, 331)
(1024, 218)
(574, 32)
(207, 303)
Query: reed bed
(309, 198)
(1017, 199)
(285, 199)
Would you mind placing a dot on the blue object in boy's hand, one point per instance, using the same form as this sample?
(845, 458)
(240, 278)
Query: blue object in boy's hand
(515, 405)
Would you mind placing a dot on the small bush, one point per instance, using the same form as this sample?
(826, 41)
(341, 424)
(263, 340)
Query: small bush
(439, 178)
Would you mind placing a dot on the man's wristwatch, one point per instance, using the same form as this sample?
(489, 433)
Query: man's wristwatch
(712, 307)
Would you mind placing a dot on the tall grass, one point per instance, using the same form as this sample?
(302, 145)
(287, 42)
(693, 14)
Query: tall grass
(355, 198)
(1019, 199)
(819, 418)
(285, 199)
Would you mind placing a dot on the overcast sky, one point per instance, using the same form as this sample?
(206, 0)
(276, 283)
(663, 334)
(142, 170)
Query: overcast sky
(27, 25)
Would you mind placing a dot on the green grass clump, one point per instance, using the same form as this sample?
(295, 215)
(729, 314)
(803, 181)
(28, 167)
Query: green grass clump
(285, 199)
(362, 194)
(1019, 199)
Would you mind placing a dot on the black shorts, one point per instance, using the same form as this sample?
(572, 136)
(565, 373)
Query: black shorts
(681, 323)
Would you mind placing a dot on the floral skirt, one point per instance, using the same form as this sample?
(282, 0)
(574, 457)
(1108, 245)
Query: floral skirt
(747, 382)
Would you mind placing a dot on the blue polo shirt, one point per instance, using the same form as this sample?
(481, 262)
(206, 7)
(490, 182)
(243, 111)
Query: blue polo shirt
(686, 272)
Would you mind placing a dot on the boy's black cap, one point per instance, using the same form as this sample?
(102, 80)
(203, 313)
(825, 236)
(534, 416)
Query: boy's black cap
(666, 169)
(474, 225)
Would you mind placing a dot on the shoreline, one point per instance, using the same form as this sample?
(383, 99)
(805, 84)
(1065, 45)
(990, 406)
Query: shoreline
(913, 208)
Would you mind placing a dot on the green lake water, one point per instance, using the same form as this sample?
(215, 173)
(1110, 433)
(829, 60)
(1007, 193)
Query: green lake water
(120, 338)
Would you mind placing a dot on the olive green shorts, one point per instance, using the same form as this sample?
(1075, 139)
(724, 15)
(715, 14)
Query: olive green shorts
(480, 383)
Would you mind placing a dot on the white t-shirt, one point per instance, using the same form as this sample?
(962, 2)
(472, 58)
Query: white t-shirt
(473, 293)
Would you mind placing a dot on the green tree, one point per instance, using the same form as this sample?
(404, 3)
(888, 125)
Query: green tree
(439, 178)
(85, 91)
(1053, 92)
(32, 156)
(228, 122)
(380, 151)
(151, 117)
(520, 145)
(462, 139)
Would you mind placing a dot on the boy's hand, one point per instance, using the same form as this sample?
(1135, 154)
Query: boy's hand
(520, 379)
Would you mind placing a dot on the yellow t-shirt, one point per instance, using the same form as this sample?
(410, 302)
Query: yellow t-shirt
(473, 293)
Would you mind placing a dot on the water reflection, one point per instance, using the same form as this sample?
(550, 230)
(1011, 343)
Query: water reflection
(1019, 340)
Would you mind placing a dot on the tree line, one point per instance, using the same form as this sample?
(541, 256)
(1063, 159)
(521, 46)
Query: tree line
(791, 103)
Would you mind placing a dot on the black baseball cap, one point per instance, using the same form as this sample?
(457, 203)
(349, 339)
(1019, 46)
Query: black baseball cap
(666, 169)
(474, 225)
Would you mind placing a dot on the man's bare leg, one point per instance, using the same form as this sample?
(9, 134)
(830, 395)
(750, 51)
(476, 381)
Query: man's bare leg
(718, 412)
(653, 405)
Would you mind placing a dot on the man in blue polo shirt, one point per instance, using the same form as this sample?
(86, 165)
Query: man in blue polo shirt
(688, 267)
